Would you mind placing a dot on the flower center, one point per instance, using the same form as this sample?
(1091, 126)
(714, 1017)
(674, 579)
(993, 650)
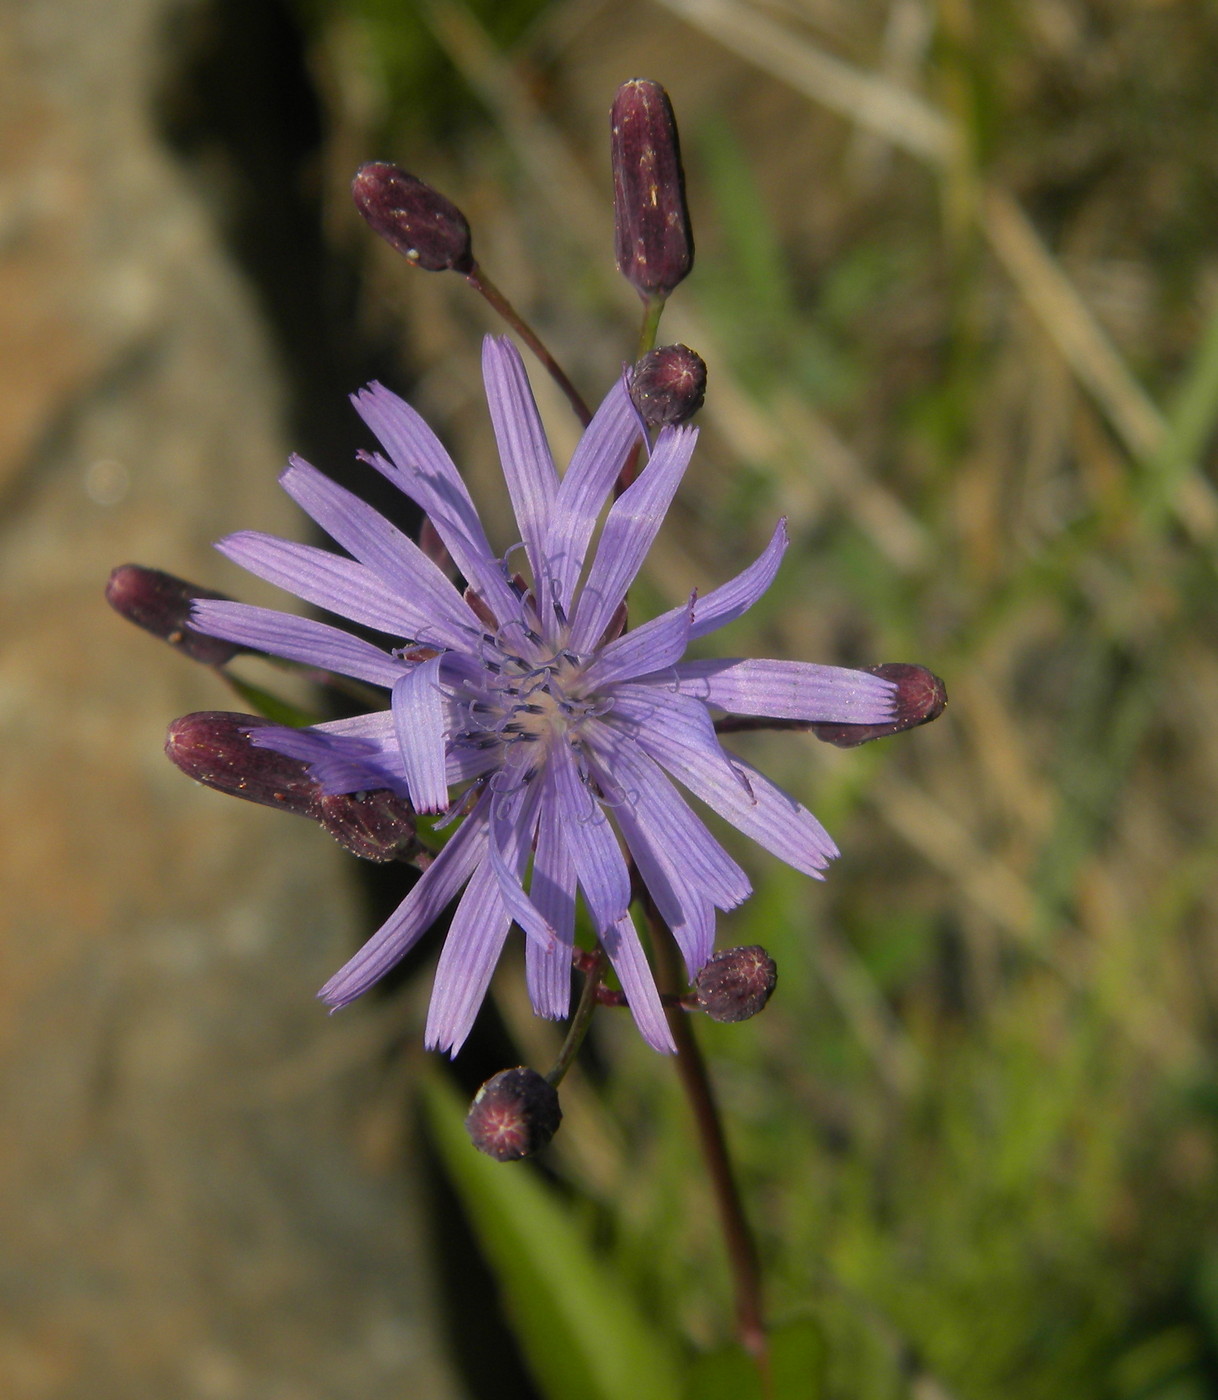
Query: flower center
(526, 700)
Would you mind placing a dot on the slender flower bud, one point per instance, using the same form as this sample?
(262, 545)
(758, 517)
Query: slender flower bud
(514, 1115)
(736, 983)
(215, 748)
(427, 229)
(654, 243)
(377, 825)
(921, 696)
(160, 604)
(668, 385)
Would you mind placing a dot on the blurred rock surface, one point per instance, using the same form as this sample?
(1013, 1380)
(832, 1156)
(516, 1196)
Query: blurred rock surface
(182, 1204)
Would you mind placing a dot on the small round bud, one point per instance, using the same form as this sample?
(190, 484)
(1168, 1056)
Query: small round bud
(215, 748)
(668, 385)
(652, 236)
(160, 603)
(427, 229)
(736, 983)
(920, 697)
(514, 1115)
(377, 825)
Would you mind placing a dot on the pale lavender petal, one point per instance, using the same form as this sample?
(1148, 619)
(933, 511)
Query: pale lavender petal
(590, 840)
(787, 690)
(657, 644)
(621, 942)
(683, 724)
(630, 527)
(336, 763)
(552, 890)
(296, 639)
(424, 471)
(440, 613)
(649, 800)
(685, 909)
(418, 718)
(327, 580)
(735, 597)
(471, 950)
(460, 765)
(668, 728)
(513, 821)
(595, 466)
(416, 913)
(528, 466)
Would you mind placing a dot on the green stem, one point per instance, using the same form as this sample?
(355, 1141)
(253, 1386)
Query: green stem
(578, 1029)
(653, 309)
(482, 283)
(738, 1237)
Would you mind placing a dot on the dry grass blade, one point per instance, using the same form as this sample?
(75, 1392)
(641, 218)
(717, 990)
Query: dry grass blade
(912, 125)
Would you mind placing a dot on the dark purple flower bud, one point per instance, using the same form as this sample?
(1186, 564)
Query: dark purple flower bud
(427, 229)
(377, 825)
(160, 604)
(654, 243)
(215, 748)
(921, 696)
(668, 385)
(736, 983)
(514, 1115)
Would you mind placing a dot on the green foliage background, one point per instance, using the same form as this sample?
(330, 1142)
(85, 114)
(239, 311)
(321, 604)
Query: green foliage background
(977, 1124)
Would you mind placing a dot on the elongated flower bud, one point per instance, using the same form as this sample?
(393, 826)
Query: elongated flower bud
(921, 696)
(655, 246)
(736, 983)
(427, 229)
(377, 825)
(668, 385)
(513, 1115)
(214, 747)
(160, 603)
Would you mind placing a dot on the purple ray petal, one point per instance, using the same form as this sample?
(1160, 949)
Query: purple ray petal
(668, 728)
(528, 467)
(589, 839)
(650, 802)
(471, 950)
(421, 468)
(461, 762)
(552, 890)
(787, 690)
(657, 644)
(418, 718)
(327, 580)
(595, 466)
(409, 575)
(621, 942)
(296, 639)
(684, 908)
(683, 724)
(630, 527)
(513, 822)
(336, 763)
(416, 913)
(734, 598)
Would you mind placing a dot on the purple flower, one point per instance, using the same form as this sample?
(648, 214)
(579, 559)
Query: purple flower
(559, 732)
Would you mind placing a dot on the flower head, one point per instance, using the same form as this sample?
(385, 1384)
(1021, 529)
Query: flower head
(524, 704)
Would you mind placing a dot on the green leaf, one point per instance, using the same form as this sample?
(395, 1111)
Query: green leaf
(797, 1368)
(580, 1331)
(269, 706)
